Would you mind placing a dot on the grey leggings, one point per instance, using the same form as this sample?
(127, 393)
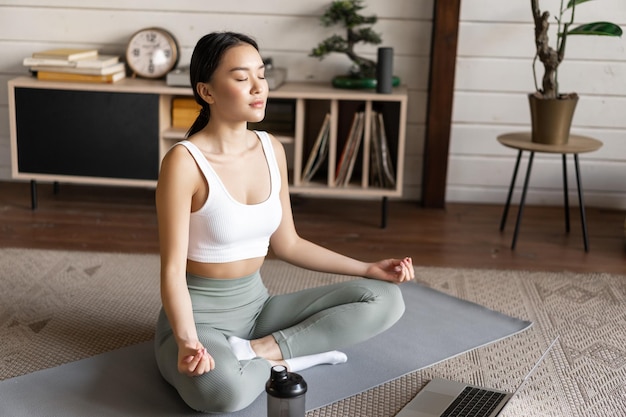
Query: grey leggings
(303, 323)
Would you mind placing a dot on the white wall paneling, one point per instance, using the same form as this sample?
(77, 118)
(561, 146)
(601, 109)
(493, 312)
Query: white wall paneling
(494, 76)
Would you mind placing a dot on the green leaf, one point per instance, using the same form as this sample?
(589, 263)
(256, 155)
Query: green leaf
(596, 28)
(573, 3)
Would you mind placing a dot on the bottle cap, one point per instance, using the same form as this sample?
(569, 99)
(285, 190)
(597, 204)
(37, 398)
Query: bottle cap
(283, 384)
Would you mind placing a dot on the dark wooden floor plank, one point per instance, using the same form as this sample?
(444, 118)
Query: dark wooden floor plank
(461, 235)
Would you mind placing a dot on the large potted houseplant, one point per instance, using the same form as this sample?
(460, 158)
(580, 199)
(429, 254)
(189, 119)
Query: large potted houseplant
(551, 110)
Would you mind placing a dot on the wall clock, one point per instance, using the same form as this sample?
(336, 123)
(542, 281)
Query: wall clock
(152, 52)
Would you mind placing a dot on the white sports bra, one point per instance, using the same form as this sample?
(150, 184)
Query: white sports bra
(225, 230)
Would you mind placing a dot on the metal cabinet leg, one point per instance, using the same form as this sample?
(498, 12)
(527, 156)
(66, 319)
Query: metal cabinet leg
(581, 203)
(33, 194)
(522, 200)
(383, 211)
(508, 198)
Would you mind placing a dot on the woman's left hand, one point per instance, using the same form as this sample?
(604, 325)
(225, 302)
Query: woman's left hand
(392, 270)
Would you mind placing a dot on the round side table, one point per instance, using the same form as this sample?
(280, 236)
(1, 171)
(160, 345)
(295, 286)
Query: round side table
(521, 141)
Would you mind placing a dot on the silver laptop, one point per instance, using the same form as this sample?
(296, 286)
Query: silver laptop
(446, 398)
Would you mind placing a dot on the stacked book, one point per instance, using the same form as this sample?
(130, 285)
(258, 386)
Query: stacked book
(350, 150)
(184, 111)
(319, 152)
(381, 170)
(79, 65)
(381, 164)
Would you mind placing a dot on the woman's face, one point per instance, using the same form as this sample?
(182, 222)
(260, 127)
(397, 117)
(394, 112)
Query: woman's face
(238, 89)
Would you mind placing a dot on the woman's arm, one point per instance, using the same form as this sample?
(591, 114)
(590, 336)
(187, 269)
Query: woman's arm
(178, 182)
(290, 247)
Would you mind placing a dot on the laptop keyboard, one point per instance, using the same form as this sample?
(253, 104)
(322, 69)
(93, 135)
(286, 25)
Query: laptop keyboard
(474, 402)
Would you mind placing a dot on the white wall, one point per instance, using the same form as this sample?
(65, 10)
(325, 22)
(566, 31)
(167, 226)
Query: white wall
(286, 30)
(493, 78)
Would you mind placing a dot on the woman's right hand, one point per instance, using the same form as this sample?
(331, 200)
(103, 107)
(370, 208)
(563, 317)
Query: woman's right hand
(194, 360)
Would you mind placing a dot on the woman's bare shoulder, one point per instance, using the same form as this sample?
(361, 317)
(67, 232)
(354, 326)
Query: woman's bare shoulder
(177, 154)
(178, 163)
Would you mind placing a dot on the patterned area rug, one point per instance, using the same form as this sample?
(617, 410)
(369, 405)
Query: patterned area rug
(57, 307)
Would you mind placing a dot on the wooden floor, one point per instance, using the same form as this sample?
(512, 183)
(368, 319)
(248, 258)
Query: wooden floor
(463, 235)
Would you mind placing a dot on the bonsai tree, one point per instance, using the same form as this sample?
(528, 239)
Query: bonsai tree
(552, 57)
(346, 13)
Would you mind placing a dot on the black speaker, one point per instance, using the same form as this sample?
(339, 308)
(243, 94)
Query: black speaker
(384, 70)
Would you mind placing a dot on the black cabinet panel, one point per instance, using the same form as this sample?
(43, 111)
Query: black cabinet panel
(87, 133)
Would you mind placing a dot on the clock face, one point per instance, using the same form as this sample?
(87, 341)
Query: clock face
(152, 53)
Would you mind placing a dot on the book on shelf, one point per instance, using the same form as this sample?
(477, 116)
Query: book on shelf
(381, 164)
(350, 150)
(354, 148)
(86, 78)
(81, 70)
(184, 111)
(185, 103)
(388, 170)
(68, 54)
(375, 172)
(99, 61)
(184, 120)
(319, 151)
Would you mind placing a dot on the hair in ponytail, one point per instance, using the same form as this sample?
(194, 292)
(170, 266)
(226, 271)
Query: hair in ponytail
(205, 59)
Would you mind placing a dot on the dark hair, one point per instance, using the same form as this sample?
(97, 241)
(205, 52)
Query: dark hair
(206, 57)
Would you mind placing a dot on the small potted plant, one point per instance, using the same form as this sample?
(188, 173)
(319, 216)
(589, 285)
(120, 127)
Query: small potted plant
(551, 110)
(358, 30)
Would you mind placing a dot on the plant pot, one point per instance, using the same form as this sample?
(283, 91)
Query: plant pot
(354, 82)
(551, 119)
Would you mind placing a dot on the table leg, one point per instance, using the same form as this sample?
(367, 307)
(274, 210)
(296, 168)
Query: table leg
(522, 200)
(581, 203)
(508, 198)
(565, 197)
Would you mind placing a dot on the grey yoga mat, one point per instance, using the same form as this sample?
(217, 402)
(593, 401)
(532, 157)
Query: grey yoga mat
(124, 382)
